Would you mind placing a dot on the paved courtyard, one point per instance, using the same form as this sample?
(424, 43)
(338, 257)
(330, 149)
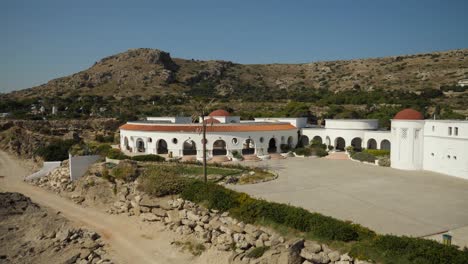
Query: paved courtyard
(386, 200)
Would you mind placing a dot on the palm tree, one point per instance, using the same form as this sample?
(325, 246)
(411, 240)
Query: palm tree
(201, 111)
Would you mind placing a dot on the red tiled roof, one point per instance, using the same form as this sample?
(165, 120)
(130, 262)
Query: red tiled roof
(211, 121)
(409, 114)
(209, 128)
(220, 112)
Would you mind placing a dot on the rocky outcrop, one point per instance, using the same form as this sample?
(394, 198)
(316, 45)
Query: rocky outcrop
(52, 240)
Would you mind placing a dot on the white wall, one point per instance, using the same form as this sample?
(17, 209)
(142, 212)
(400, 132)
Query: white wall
(172, 119)
(298, 122)
(407, 144)
(446, 153)
(347, 124)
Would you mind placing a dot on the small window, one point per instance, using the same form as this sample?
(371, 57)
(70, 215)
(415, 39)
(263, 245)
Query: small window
(450, 131)
(150, 140)
(174, 140)
(261, 140)
(234, 141)
(448, 156)
(454, 157)
(456, 131)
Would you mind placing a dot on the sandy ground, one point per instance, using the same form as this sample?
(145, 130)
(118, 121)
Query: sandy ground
(130, 240)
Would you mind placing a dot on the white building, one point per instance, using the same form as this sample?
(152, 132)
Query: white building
(414, 143)
(463, 82)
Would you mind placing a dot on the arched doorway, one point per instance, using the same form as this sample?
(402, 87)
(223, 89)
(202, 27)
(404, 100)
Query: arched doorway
(248, 147)
(127, 147)
(340, 143)
(219, 147)
(305, 140)
(385, 144)
(272, 146)
(291, 142)
(189, 148)
(317, 140)
(356, 143)
(140, 145)
(371, 144)
(161, 147)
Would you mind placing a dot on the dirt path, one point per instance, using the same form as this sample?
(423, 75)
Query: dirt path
(130, 241)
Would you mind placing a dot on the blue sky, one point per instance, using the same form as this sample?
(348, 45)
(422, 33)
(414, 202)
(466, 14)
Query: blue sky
(42, 40)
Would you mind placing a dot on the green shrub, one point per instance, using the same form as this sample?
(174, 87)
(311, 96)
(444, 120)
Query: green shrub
(395, 249)
(57, 150)
(125, 170)
(161, 181)
(363, 156)
(236, 154)
(377, 152)
(350, 149)
(116, 154)
(104, 139)
(303, 151)
(149, 157)
(320, 152)
(330, 147)
(285, 148)
(384, 162)
(257, 252)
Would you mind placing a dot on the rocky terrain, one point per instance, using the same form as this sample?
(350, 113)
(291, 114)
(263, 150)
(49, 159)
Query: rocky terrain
(23, 137)
(202, 229)
(149, 72)
(31, 234)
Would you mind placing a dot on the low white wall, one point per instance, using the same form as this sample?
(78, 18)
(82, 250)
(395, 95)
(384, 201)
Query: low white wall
(80, 164)
(46, 168)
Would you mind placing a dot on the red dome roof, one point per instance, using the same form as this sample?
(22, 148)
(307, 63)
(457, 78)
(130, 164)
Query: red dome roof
(219, 112)
(409, 114)
(211, 121)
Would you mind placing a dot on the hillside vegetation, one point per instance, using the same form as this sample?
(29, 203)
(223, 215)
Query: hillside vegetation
(150, 82)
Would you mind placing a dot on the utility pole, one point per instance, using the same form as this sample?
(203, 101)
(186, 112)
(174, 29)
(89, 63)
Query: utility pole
(205, 177)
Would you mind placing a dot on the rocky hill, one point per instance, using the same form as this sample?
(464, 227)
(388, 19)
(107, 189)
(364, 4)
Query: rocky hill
(149, 72)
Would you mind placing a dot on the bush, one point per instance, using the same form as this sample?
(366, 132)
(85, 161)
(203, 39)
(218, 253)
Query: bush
(161, 181)
(394, 249)
(330, 147)
(377, 152)
(384, 162)
(363, 156)
(117, 154)
(149, 157)
(104, 139)
(236, 154)
(57, 150)
(303, 151)
(257, 252)
(320, 152)
(125, 170)
(285, 148)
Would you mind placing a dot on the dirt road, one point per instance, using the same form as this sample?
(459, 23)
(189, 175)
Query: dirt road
(130, 240)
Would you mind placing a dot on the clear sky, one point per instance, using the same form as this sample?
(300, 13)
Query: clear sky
(45, 39)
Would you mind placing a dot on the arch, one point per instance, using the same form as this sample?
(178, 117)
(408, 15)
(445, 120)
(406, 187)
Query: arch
(328, 141)
(385, 144)
(305, 140)
(272, 148)
(140, 145)
(248, 148)
(317, 139)
(161, 147)
(127, 147)
(371, 144)
(291, 142)
(356, 143)
(189, 147)
(219, 147)
(340, 143)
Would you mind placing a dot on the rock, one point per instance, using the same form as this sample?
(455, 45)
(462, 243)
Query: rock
(62, 234)
(148, 202)
(189, 223)
(72, 259)
(148, 217)
(356, 261)
(192, 216)
(312, 246)
(214, 224)
(334, 256)
(173, 216)
(199, 229)
(320, 258)
(292, 255)
(159, 212)
(346, 257)
(259, 243)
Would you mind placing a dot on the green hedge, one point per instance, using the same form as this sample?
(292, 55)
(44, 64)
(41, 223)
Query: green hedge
(396, 249)
(363, 156)
(161, 181)
(116, 154)
(377, 152)
(149, 157)
(251, 210)
(320, 152)
(303, 151)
